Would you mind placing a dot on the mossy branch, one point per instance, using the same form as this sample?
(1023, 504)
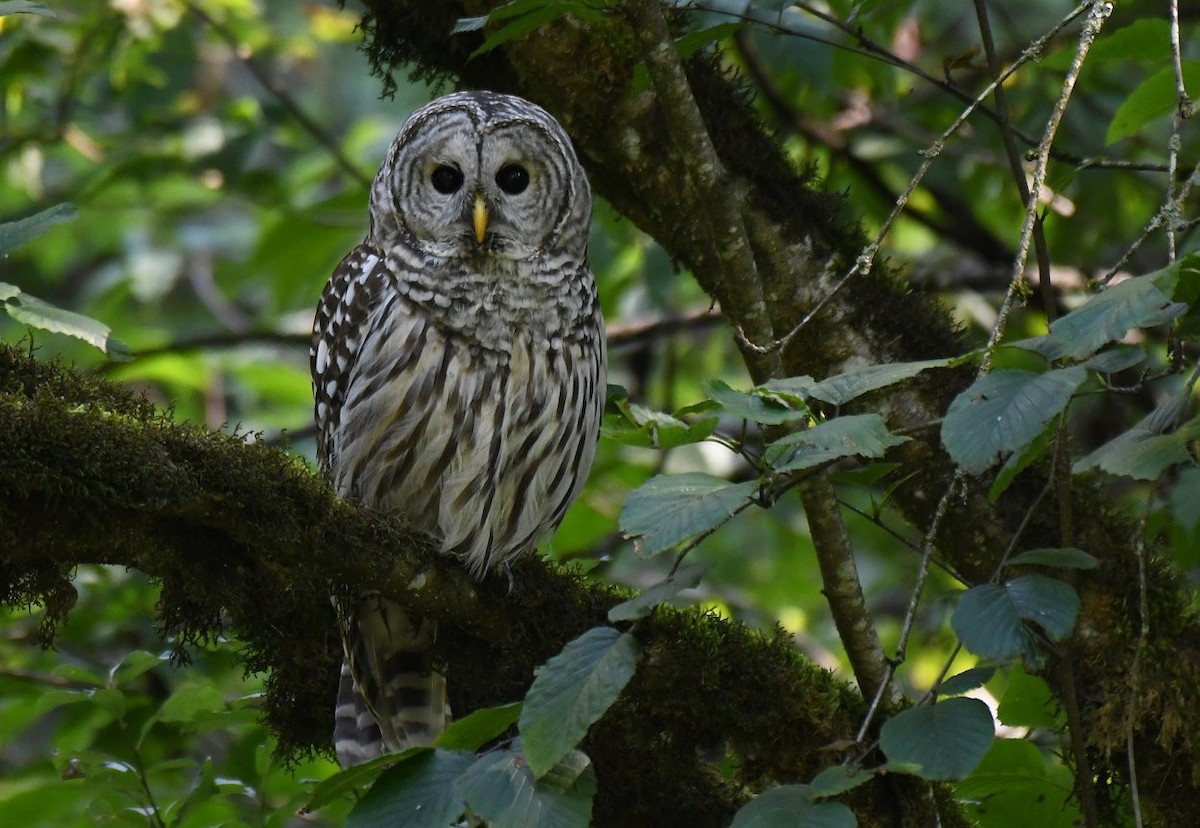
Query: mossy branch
(244, 538)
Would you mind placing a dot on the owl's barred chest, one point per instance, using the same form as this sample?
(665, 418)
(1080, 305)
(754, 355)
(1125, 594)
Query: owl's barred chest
(438, 415)
(490, 304)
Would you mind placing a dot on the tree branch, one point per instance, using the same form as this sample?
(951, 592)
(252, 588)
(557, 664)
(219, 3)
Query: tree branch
(244, 537)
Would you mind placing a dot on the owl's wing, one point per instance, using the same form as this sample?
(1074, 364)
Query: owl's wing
(338, 333)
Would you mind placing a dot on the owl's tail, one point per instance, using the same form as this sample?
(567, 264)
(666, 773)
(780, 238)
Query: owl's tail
(391, 697)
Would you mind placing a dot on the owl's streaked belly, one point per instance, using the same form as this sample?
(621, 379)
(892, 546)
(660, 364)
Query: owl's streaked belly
(483, 449)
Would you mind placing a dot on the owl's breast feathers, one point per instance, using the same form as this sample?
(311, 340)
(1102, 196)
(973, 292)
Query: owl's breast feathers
(472, 400)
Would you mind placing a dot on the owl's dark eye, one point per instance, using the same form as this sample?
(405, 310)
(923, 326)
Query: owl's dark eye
(446, 179)
(513, 178)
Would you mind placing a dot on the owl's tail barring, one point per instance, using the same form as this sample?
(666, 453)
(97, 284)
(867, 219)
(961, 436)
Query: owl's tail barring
(390, 697)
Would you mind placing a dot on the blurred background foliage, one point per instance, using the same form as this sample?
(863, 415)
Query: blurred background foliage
(219, 153)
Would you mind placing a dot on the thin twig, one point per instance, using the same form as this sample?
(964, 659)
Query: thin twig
(1135, 668)
(1183, 111)
(910, 615)
(1014, 161)
(1097, 13)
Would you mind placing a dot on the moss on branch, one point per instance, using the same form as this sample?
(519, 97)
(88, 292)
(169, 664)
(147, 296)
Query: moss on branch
(245, 539)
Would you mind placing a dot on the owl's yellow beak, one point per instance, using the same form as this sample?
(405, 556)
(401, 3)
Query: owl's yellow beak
(481, 218)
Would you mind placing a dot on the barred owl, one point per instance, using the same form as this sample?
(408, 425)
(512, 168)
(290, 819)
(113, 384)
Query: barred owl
(458, 365)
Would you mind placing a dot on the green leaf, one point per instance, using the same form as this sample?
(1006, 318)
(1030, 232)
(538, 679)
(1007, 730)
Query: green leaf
(501, 788)
(669, 509)
(479, 727)
(187, 706)
(791, 806)
(1116, 359)
(636, 425)
(133, 665)
(839, 779)
(947, 740)
(1028, 702)
(34, 312)
(571, 691)
(1018, 461)
(1154, 98)
(756, 406)
(842, 388)
(863, 435)
(24, 7)
(1142, 302)
(1184, 499)
(51, 699)
(13, 234)
(967, 680)
(1141, 452)
(526, 16)
(1002, 412)
(795, 390)
(352, 779)
(1066, 558)
(990, 618)
(190, 699)
(642, 604)
(1014, 787)
(420, 792)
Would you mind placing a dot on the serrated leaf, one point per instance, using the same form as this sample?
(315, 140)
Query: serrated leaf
(755, 406)
(571, 691)
(1141, 452)
(669, 509)
(420, 792)
(861, 435)
(479, 727)
(839, 779)
(642, 604)
(990, 618)
(1065, 558)
(1002, 412)
(1142, 302)
(947, 740)
(501, 789)
(966, 680)
(1154, 98)
(24, 7)
(791, 806)
(1027, 702)
(842, 388)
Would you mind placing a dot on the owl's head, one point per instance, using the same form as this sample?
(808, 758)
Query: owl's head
(478, 174)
